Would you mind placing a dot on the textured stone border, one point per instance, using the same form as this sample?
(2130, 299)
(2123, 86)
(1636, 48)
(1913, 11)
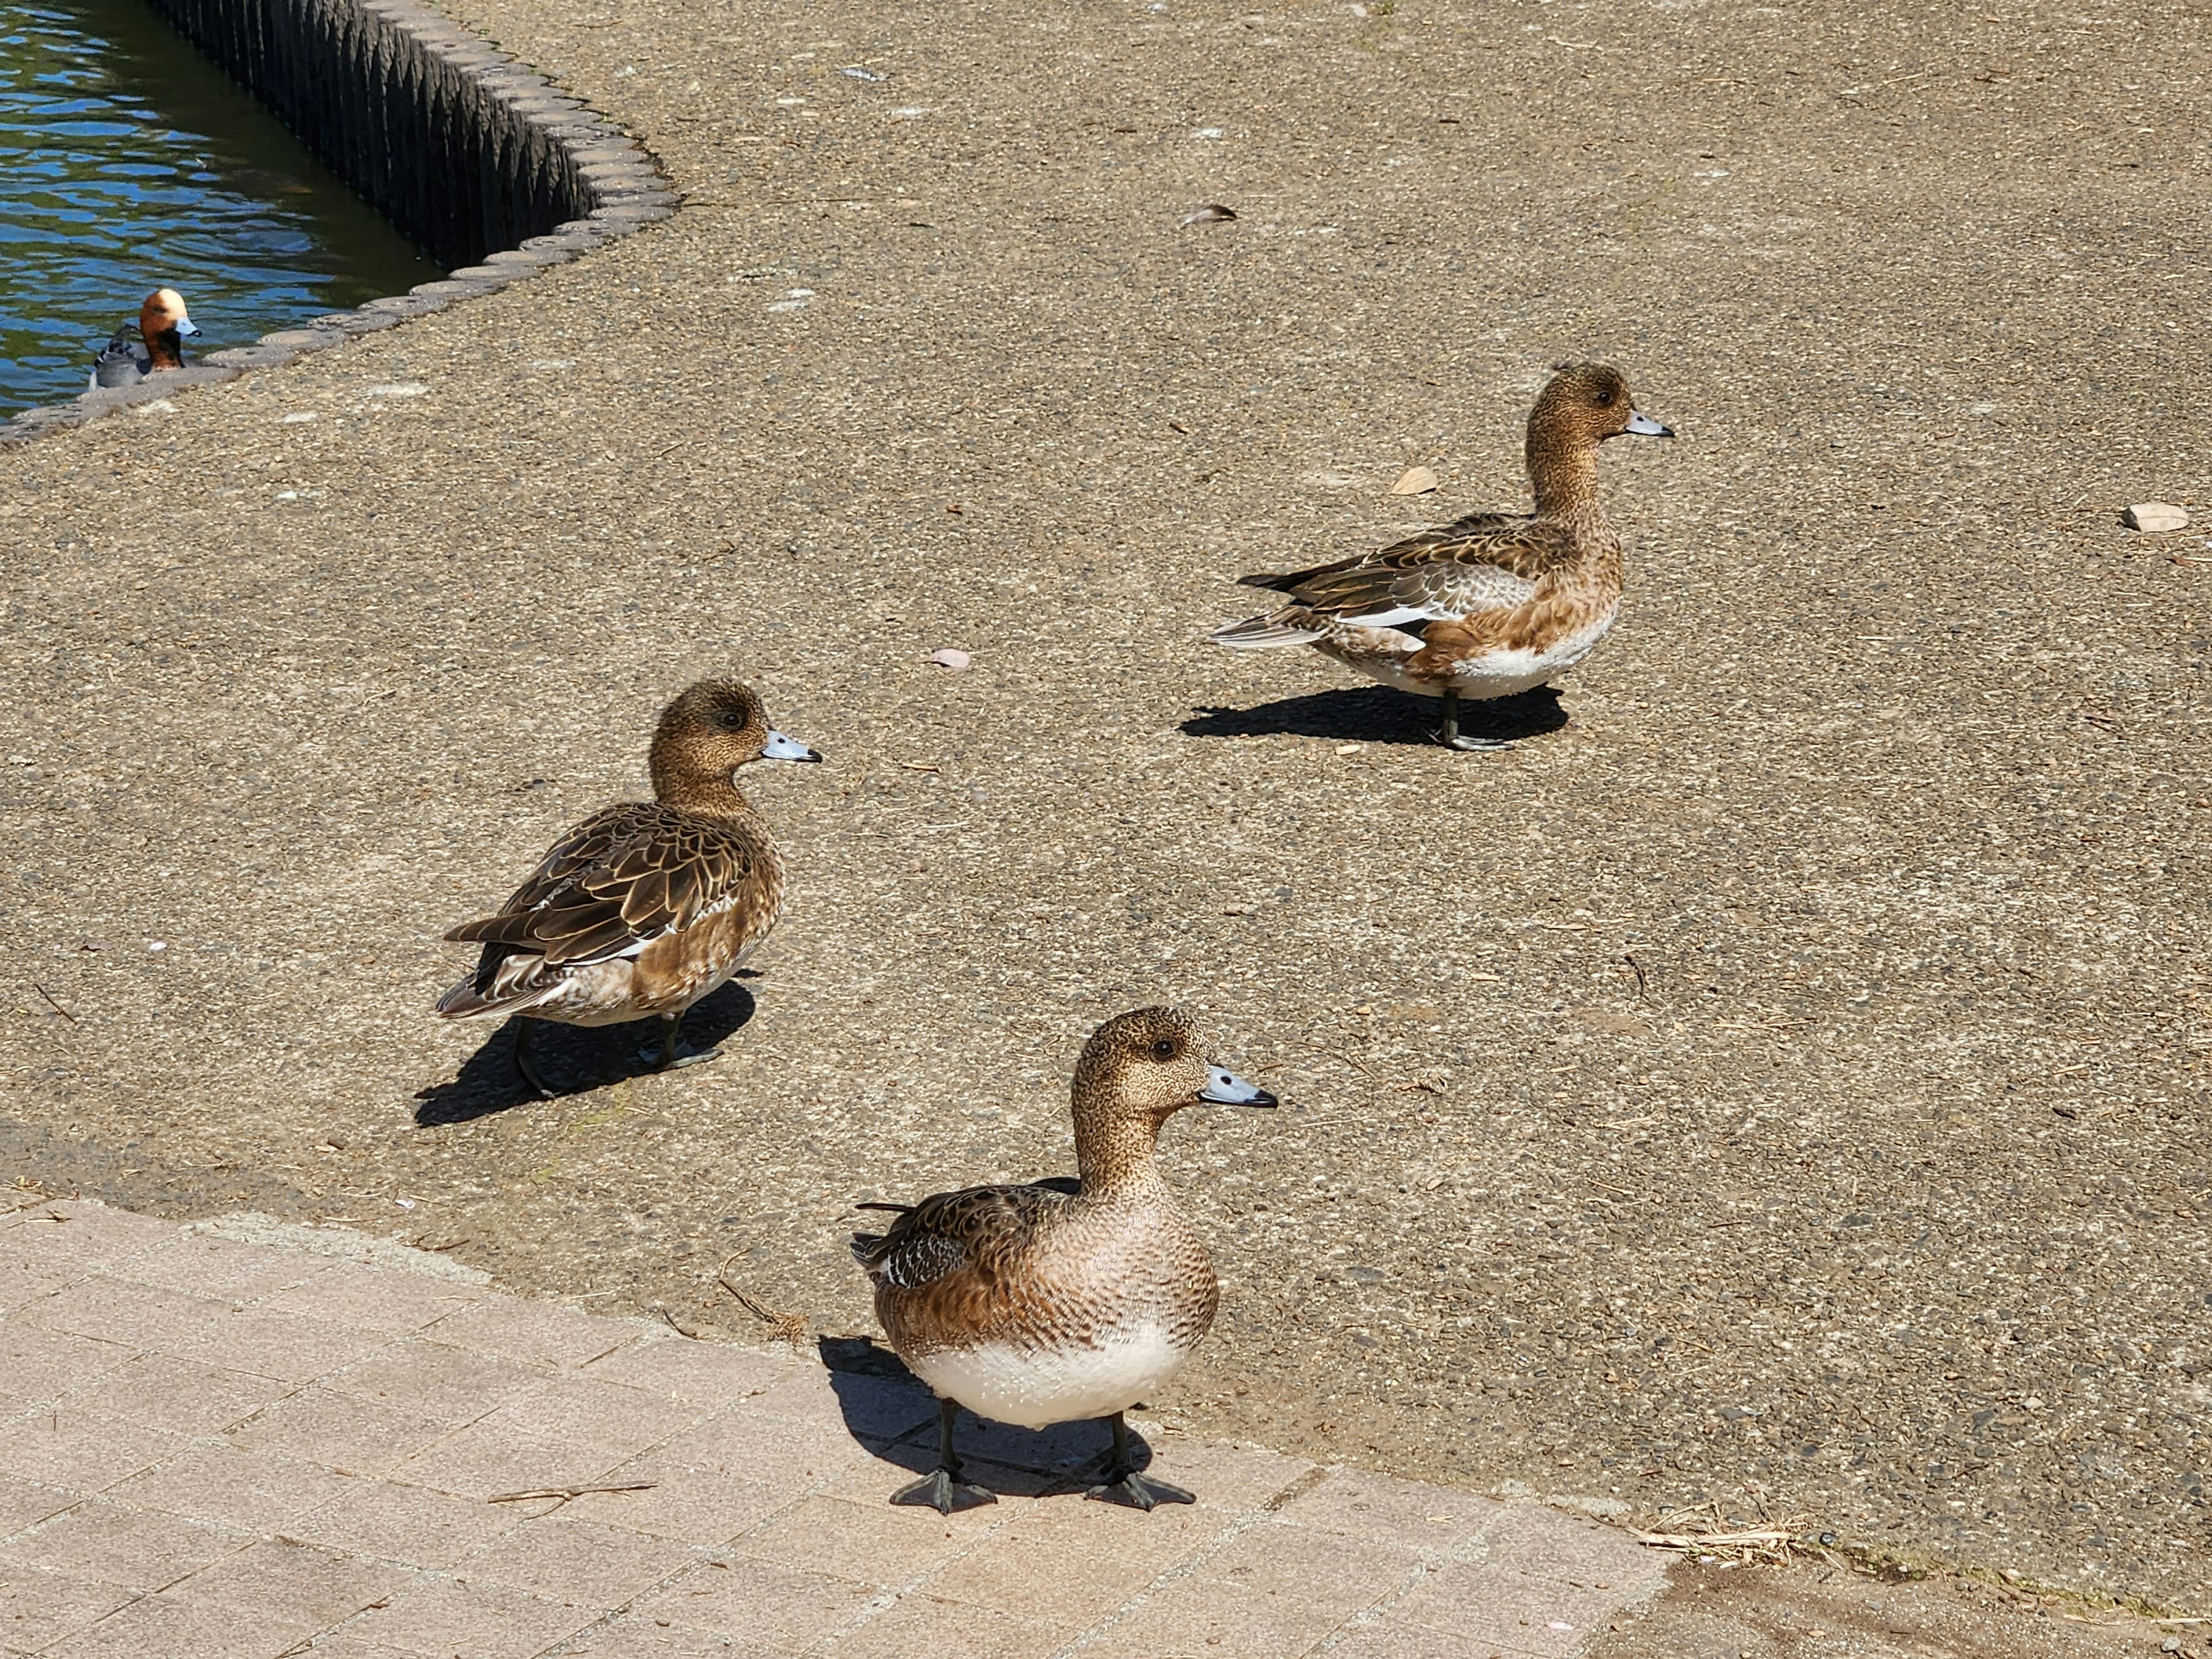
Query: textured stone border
(458, 145)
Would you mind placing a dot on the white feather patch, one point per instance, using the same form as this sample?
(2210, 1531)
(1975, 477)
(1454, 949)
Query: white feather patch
(1033, 1388)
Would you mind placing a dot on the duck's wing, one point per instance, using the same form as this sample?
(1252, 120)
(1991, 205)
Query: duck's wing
(1485, 561)
(620, 879)
(123, 360)
(977, 1230)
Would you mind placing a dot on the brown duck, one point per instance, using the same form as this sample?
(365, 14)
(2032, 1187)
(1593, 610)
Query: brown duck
(1490, 604)
(1062, 1300)
(644, 908)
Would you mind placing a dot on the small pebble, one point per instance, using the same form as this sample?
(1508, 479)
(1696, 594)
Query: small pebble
(2154, 518)
(950, 656)
(1414, 481)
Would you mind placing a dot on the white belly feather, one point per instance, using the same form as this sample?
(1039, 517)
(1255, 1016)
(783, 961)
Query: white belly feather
(1492, 674)
(1035, 1387)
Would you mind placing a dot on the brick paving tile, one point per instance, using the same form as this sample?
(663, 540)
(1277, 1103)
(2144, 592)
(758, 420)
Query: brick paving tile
(1227, 1477)
(228, 1486)
(1073, 1560)
(920, 1626)
(373, 1299)
(444, 1617)
(92, 1238)
(1401, 1512)
(299, 1583)
(871, 1484)
(1328, 1570)
(871, 1544)
(38, 1606)
(1219, 1620)
(648, 1638)
(1509, 1610)
(342, 1431)
(699, 1372)
(22, 1284)
(117, 1310)
(579, 1561)
(1544, 1543)
(784, 1453)
(490, 1457)
(757, 1601)
(63, 1446)
(135, 1549)
(222, 1267)
(538, 1333)
(183, 1396)
(850, 1402)
(626, 1420)
(406, 1524)
(688, 1503)
(431, 1379)
(43, 1364)
(26, 1503)
(291, 1347)
(1387, 1637)
(173, 1628)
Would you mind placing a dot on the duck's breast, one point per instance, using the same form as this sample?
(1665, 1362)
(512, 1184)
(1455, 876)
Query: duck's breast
(1036, 1384)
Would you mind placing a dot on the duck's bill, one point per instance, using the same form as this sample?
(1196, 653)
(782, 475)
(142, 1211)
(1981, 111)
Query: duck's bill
(1230, 1090)
(186, 326)
(779, 747)
(1644, 426)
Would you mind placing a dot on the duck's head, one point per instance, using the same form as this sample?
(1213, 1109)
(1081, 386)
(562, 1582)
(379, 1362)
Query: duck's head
(1146, 1065)
(715, 727)
(1585, 403)
(164, 313)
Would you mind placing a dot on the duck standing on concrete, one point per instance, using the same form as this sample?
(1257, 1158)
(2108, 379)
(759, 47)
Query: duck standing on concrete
(161, 328)
(1060, 1301)
(646, 906)
(1492, 603)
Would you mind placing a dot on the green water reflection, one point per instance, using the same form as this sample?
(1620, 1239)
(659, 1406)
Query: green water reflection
(128, 161)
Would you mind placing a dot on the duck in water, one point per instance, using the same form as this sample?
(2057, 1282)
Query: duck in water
(161, 329)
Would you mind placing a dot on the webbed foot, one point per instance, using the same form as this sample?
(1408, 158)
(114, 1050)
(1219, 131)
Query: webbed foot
(1139, 1492)
(1474, 745)
(652, 1055)
(942, 1489)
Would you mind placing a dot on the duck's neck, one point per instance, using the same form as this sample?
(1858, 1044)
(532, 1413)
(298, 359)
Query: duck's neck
(165, 349)
(690, 788)
(1115, 1157)
(1563, 474)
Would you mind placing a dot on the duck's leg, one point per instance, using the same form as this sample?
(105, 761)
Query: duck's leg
(523, 1064)
(665, 1058)
(942, 1488)
(1123, 1485)
(1449, 736)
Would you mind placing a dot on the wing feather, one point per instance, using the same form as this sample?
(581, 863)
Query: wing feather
(977, 1230)
(1484, 562)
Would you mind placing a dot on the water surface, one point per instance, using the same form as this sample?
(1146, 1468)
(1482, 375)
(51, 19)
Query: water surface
(130, 162)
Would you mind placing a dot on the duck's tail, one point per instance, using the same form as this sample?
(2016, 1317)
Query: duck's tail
(506, 981)
(1264, 633)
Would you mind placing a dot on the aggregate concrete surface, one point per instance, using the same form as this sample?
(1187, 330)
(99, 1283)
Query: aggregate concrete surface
(1777, 1083)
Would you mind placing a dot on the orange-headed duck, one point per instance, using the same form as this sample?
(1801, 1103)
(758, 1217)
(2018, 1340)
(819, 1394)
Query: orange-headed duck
(161, 328)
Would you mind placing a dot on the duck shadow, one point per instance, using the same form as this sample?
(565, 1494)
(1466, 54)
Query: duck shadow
(1376, 713)
(892, 1413)
(573, 1059)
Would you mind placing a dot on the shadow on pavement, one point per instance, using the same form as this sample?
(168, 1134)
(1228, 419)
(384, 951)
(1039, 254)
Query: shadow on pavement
(1376, 714)
(573, 1059)
(891, 1412)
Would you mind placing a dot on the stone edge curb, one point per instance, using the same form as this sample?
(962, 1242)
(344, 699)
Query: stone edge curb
(622, 177)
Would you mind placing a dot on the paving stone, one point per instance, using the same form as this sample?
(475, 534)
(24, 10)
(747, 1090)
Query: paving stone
(288, 1346)
(785, 1453)
(923, 1625)
(490, 1457)
(1548, 1543)
(852, 1402)
(22, 1284)
(871, 1484)
(647, 1638)
(1073, 1560)
(625, 1420)
(539, 1333)
(135, 1549)
(228, 1486)
(1390, 1637)
(38, 1606)
(89, 1451)
(183, 1396)
(1327, 1570)
(445, 1617)
(119, 1310)
(430, 1379)
(1202, 1616)
(26, 1503)
(703, 1371)
(174, 1627)
(1507, 1610)
(88, 1238)
(579, 1561)
(757, 1601)
(1406, 1512)
(688, 1503)
(297, 1582)
(41, 1364)
(869, 1544)
(342, 1431)
(373, 1299)
(407, 1525)
(1227, 1477)
(222, 1267)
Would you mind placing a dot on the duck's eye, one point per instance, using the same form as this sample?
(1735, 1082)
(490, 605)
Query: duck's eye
(1164, 1049)
(1604, 400)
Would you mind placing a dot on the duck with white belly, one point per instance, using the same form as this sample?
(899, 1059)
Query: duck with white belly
(1061, 1301)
